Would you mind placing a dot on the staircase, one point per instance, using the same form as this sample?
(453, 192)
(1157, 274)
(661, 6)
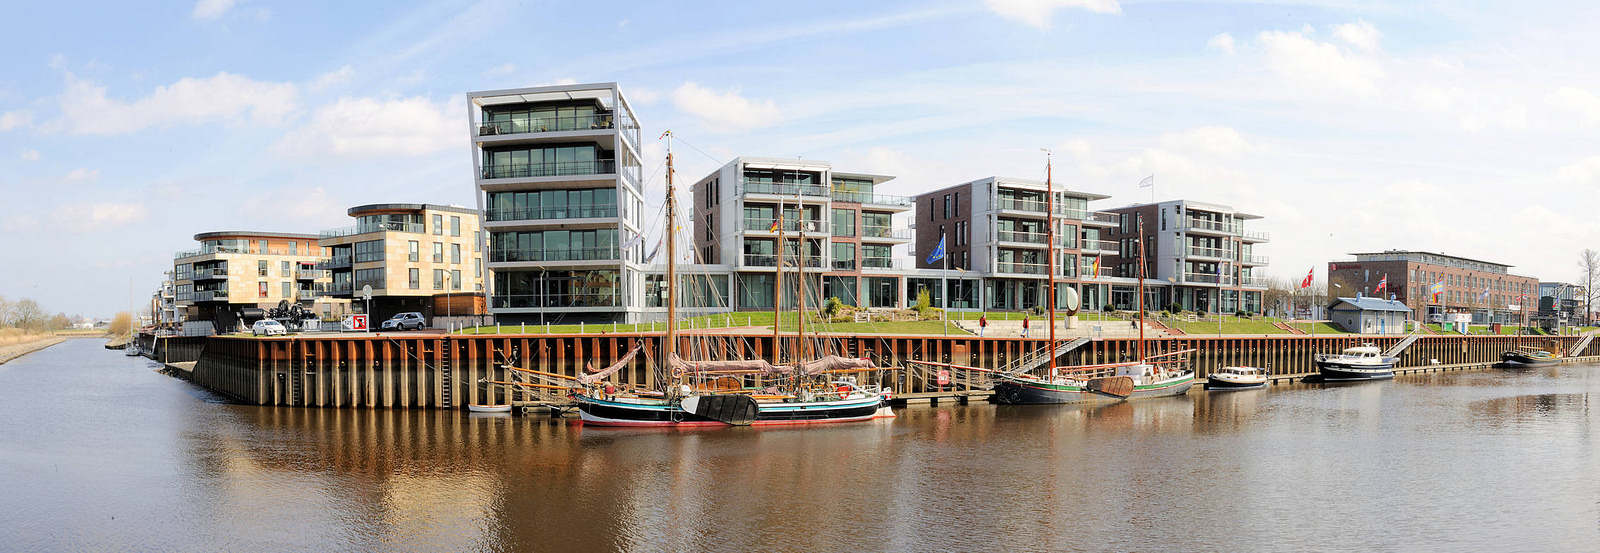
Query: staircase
(1164, 328)
(1401, 346)
(1581, 345)
(1286, 327)
(445, 399)
(1036, 359)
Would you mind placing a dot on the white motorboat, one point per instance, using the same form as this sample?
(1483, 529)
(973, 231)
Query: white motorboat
(1362, 362)
(503, 408)
(1237, 378)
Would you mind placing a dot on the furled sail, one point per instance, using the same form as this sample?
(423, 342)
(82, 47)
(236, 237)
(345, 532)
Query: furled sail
(602, 374)
(834, 363)
(726, 365)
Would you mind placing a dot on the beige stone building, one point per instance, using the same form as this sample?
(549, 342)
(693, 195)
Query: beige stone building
(236, 270)
(416, 257)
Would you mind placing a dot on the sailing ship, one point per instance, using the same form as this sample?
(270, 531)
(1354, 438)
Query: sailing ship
(727, 392)
(1528, 356)
(1150, 376)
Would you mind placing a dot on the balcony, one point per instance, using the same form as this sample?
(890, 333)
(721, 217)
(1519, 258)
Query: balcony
(210, 295)
(309, 274)
(596, 121)
(415, 228)
(335, 262)
(1256, 236)
(336, 289)
(1020, 268)
(789, 225)
(309, 293)
(206, 274)
(536, 301)
(1215, 253)
(768, 260)
(844, 264)
(1102, 218)
(1015, 204)
(569, 254)
(881, 263)
(1254, 282)
(1100, 245)
(870, 232)
(782, 189)
(1207, 225)
(1206, 278)
(871, 198)
(554, 169)
(596, 211)
(1020, 237)
(1253, 259)
(203, 251)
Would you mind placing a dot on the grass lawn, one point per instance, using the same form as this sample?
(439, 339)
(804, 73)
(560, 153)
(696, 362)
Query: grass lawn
(883, 327)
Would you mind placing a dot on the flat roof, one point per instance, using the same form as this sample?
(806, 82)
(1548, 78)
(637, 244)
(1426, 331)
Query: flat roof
(360, 209)
(252, 234)
(1207, 206)
(1405, 252)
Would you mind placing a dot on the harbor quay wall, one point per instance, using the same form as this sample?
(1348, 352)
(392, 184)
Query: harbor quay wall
(450, 371)
(171, 349)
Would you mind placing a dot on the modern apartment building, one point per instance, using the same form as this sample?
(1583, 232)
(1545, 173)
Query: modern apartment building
(1485, 289)
(235, 270)
(1198, 255)
(558, 176)
(995, 236)
(416, 257)
(850, 232)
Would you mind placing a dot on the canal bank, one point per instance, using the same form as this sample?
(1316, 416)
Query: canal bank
(14, 351)
(414, 370)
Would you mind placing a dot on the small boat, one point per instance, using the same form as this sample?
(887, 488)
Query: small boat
(1237, 378)
(475, 408)
(1363, 362)
(1527, 356)
(1138, 381)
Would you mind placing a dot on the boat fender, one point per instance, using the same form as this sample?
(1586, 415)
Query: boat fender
(611, 389)
(844, 391)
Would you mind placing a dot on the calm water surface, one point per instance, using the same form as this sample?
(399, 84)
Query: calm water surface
(99, 453)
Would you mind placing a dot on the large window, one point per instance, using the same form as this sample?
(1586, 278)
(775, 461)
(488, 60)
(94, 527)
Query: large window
(371, 250)
(553, 204)
(438, 279)
(438, 224)
(455, 279)
(844, 222)
(413, 251)
(414, 278)
(842, 287)
(554, 245)
(401, 222)
(844, 257)
(545, 118)
(369, 277)
(545, 161)
(556, 289)
(455, 254)
(261, 267)
(438, 252)
(455, 225)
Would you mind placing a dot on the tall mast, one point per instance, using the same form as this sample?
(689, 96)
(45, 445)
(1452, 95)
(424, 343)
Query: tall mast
(670, 340)
(1050, 249)
(777, 290)
(800, 271)
(1139, 227)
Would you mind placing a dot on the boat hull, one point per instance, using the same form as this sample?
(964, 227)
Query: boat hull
(1519, 359)
(602, 412)
(1334, 371)
(1021, 392)
(1230, 385)
(489, 408)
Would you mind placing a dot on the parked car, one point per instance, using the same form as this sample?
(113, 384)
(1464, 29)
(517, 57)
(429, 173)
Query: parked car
(402, 321)
(268, 327)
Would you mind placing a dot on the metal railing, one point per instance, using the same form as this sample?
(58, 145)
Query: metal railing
(1208, 252)
(519, 125)
(215, 272)
(569, 212)
(872, 231)
(1100, 245)
(553, 169)
(768, 260)
(1015, 204)
(881, 263)
(513, 301)
(789, 225)
(1104, 218)
(1207, 224)
(209, 295)
(1019, 236)
(782, 189)
(1206, 278)
(844, 264)
(309, 274)
(569, 254)
(335, 262)
(1253, 259)
(394, 226)
(203, 251)
(1256, 235)
(1020, 268)
(871, 198)
(366, 257)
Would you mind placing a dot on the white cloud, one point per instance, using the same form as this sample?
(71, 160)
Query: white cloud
(368, 127)
(1585, 171)
(502, 69)
(1215, 140)
(724, 111)
(30, 155)
(15, 119)
(1038, 13)
(641, 96)
(211, 9)
(1566, 97)
(1222, 42)
(98, 216)
(1360, 34)
(1318, 65)
(333, 78)
(81, 174)
(222, 97)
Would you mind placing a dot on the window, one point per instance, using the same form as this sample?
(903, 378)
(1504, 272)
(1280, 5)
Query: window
(455, 279)
(438, 279)
(477, 267)
(438, 224)
(844, 222)
(455, 226)
(947, 206)
(286, 292)
(477, 241)
(261, 268)
(369, 277)
(956, 210)
(261, 246)
(412, 251)
(455, 254)
(414, 278)
(294, 248)
(930, 209)
(438, 252)
(283, 268)
(371, 250)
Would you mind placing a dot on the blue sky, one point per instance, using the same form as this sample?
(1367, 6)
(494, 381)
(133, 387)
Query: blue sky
(1465, 127)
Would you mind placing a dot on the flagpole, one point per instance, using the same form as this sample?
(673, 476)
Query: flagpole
(944, 285)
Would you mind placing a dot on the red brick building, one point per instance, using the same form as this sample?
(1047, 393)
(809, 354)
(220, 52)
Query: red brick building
(1484, 289)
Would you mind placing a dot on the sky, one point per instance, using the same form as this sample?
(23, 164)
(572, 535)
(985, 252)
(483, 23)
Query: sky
(1468, 128)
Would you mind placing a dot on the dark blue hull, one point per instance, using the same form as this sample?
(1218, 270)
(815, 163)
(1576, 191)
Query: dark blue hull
(1342, 372)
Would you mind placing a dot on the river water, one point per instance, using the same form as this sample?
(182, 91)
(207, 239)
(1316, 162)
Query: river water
(100, 453)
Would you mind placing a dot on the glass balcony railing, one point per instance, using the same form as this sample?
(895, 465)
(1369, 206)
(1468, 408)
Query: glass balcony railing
(555, 169)
(210, 295)
(1020, 236)
(546, 124)
(1256, 235)
(844, 264)
(216, 272)
(1015, 204)
(203, 251)
(1206, 278)
(870, 231)
(1257, 282)
(309, 293)
(871, 198)
(416, 228)
(336, 288)
(789, 225)
(1100, 245)
(1104, 218)
(335, 262)
(1020, 268)
(514, 301)
(309, 274)
(570, 254)
(1253, 259)
(768, 260)
(782, 189)
(869, 263)
(596, 211)
(1209, 252)
(1210, 225)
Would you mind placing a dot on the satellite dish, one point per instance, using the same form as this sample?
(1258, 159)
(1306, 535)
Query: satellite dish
(1071, 301)
(366, 291)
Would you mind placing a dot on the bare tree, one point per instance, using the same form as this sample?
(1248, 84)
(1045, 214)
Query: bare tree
(1589, 263)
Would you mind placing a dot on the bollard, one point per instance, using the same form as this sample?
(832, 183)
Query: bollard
(497, 327)
(580, 327)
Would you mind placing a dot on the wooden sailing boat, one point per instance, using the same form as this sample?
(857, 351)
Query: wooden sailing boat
(808, 391)
(1151, 376)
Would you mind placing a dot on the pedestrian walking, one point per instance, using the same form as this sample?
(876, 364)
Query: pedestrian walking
(1024, 326)
(983, 322)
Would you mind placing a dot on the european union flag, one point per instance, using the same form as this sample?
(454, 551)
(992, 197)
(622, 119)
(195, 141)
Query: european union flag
(938, 252)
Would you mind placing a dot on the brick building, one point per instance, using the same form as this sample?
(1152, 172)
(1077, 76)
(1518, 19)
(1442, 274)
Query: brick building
(1486, 290)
